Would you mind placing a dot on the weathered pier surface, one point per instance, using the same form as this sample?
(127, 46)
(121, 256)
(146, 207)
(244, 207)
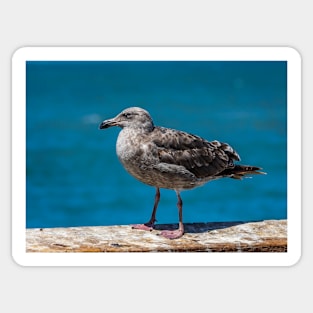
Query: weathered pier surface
(264, 236)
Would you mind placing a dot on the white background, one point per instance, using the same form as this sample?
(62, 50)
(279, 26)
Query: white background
(101, 23)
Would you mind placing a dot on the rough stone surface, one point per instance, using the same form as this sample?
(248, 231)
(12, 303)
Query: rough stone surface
(264, 236)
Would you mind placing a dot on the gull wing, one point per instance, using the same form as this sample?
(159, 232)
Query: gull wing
(197, 155)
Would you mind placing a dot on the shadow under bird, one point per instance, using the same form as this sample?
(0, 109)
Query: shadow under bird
(171, 159)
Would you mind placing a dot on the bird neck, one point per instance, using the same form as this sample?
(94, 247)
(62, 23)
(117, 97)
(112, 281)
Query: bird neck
(142, 128)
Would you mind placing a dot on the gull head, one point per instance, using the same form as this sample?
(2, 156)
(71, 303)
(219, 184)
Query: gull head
(134, 117)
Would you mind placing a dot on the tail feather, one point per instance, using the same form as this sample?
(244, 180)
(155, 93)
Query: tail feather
(240, 171)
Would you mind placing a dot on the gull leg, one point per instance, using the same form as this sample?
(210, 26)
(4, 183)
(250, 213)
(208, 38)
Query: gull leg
(174, 234)
(150, 224)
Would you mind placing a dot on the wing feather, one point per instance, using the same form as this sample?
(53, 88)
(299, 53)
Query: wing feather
(199, 156)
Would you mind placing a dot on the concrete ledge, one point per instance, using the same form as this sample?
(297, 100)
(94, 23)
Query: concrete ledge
(264, 236)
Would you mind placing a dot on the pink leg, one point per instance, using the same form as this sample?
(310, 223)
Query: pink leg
(174, 234)
(150, 224)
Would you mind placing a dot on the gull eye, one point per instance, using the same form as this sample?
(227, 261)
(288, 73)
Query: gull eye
(127, 115)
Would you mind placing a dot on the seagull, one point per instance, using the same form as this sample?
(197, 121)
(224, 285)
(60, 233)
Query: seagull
(171, 159)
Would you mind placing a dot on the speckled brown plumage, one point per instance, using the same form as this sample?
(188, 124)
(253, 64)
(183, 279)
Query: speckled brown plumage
(171, 159)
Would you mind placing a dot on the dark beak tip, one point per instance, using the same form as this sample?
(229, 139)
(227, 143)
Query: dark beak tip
(107, 124)
(102, 126)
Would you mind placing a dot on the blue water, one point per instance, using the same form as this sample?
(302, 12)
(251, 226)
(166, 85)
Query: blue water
(74, 177)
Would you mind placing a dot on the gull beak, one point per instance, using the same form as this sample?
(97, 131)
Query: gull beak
(108, 123)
